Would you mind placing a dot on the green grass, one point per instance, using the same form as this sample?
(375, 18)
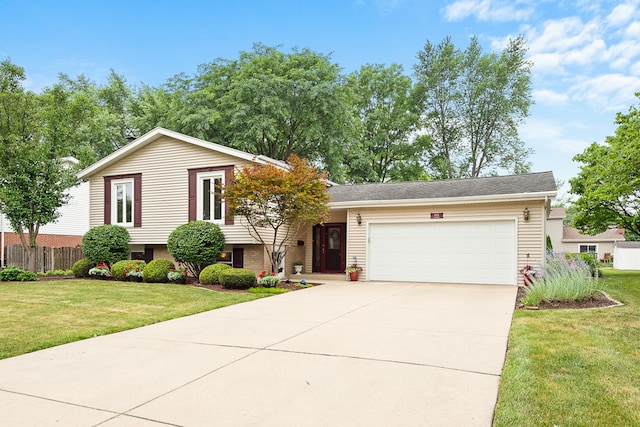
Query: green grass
(575, 367)
(37, 315)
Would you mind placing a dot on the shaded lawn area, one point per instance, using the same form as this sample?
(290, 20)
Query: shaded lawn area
(575, 367)
(37, 315)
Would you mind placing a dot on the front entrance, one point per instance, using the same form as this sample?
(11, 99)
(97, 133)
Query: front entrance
(329, 251)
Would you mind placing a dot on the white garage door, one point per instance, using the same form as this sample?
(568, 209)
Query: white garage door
(446, 252)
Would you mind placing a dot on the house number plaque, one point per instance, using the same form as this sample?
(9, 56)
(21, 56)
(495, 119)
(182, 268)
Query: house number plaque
(437, 215)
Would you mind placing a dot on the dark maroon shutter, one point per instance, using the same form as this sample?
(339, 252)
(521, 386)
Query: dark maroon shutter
(192, 194)
(228, 180)
(238, 258)
(137, 200)
(107, 200)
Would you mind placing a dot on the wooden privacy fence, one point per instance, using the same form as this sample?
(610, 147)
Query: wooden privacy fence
(46, 258)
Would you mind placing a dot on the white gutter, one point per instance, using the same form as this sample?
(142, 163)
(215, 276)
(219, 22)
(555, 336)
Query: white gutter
(444, 200)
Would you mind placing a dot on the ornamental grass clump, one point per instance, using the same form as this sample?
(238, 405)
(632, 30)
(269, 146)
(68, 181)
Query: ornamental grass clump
(562, 279)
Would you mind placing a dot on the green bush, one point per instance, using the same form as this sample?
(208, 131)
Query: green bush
(156, 271)
(237, 278)
(118, 269)
(106, 243)
(590, 259)
(196, 245)
(81, 267)
(210, 275)
(269, 281)
(15, 274)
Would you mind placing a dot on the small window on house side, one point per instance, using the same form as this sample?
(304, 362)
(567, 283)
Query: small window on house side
(210, 204)
(588, 249)
(122, 202)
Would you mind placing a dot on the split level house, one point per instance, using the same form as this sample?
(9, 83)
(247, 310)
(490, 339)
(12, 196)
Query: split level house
(480, 231)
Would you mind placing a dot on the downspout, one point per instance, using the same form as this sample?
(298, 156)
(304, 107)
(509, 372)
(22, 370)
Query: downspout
(545, 216)
(1, 240)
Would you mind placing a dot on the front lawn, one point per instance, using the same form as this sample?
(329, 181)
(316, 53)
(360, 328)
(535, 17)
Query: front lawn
(37, 315)
(575, 367)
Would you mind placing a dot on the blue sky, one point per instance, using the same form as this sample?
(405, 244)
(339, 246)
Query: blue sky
(586, 53)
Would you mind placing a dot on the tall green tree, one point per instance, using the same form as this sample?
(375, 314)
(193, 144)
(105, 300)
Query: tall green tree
(383, 147)
(265, 102)
(472, 105)
(608, 183)
(34, 180)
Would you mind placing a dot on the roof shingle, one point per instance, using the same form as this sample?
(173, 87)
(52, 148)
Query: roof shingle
(488, 186)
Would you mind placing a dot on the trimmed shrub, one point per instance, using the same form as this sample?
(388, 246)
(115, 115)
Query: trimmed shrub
(156, 271)
(15, 274)
(196, 245)
(81, 267)
(106, 243)
(119, 268)
(238, 278)
(210, 275)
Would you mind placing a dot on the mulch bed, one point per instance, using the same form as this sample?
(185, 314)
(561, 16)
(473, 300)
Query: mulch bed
(599, 300)
(219, 288)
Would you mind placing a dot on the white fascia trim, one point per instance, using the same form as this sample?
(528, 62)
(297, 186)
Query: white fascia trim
(153, 134)
(443, 200)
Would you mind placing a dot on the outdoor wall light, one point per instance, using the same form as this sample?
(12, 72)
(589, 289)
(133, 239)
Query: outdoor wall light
(525, 214)
(359, 219)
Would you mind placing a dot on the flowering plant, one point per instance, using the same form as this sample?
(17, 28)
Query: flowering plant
(133, 271)
(354, 267)
(101, 269)
(177, 273)
(268, 281)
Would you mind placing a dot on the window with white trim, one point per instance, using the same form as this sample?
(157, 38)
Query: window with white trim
(122, 202)
(588, 249)
(210, 206)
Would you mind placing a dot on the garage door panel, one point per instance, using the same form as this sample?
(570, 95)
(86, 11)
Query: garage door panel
(450, 252)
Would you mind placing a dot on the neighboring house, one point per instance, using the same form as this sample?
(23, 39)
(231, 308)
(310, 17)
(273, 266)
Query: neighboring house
(570, 240)
(66, 231)
(455, 231)
(626, 256)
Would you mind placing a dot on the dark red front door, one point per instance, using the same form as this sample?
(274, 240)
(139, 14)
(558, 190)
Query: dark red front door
(329, 250)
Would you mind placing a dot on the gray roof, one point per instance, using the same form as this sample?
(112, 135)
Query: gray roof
(627, 244)
(541, 182)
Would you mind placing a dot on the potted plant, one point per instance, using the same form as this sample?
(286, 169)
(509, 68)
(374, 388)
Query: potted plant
(354, 270)
(178, 275)
(528, 274)
(100, 271)
(297, 266)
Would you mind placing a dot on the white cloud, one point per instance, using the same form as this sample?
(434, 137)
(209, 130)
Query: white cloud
(486, 10)
(622, 13)
(550, 97)
(633, 30)
(551, 137)
(611, 92)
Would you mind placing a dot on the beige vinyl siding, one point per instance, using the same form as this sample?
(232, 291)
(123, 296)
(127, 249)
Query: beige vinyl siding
(164, 165)
(530, 234)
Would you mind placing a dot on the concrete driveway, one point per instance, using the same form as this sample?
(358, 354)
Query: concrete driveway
(340, 354)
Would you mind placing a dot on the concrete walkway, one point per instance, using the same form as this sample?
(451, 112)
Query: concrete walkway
(340, 354)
